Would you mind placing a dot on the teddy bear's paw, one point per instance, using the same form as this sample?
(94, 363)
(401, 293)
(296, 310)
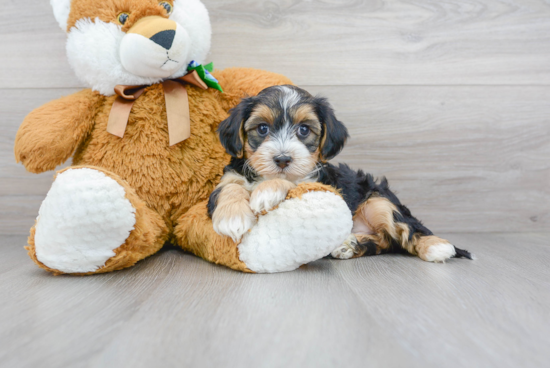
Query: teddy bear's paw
(233, 223)
(84, 218)
(301, 230)
(435, 249)
(265, 200)
(347, 250)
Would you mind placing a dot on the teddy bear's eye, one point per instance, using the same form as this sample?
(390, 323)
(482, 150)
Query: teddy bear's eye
(123, 18)
(166, 5)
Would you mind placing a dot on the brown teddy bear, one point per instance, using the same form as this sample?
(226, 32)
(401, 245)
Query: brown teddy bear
(145, 151)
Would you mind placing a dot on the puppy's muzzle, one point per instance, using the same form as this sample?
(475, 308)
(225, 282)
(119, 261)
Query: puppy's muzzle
(160, 30)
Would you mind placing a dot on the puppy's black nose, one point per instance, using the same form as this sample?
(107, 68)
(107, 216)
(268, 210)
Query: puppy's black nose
(164, 38)
(282, 161)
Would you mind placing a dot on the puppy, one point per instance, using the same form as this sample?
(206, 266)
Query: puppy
(285, 136)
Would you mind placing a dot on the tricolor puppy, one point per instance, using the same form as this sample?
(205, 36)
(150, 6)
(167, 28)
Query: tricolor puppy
(285, 136)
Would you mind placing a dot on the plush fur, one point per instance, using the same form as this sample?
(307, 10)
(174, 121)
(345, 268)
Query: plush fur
(61, 11)
(147, 237)
(167, 186)
(85, 245)
(97, 44)
(306, 226)
(170, 180)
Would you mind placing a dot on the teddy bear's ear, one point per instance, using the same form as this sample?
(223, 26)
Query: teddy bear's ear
(61, 10)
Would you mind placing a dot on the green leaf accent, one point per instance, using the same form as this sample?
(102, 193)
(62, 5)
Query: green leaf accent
(204, 73)
(209, 67)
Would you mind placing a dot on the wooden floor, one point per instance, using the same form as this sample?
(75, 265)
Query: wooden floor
(175, 310)
(448, 99)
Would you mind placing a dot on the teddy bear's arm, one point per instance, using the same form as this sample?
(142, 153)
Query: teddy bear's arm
(241, 82)
(50, 134)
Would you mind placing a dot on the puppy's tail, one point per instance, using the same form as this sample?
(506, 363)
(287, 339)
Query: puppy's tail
(461, 253)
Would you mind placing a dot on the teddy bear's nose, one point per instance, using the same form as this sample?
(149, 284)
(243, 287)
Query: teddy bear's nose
(164, 38)
(160, 30)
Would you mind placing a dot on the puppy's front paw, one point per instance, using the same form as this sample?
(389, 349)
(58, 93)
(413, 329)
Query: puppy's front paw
(347, 250)
(232, 223)
(266, 200)
(269, 194)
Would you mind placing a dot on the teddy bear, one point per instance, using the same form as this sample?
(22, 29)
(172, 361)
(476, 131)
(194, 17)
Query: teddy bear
(145, 153)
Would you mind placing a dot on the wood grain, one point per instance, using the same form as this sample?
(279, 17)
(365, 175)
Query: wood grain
(349, 42)
(470, 159)
(174, 309)
(463, 158)
(448, 99)
(495, 300)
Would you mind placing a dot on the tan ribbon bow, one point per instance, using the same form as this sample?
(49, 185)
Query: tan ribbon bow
(177, 106)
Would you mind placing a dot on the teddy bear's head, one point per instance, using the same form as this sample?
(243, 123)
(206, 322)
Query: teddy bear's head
(132, 42)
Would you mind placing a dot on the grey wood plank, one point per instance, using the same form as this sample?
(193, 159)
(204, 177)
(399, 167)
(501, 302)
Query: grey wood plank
(298, 319)
(196, 309)
(47, 315)
(174, 309)
(492, 312)
(13, 253)
(18, 213)
(317, 42)
(471, 159)
(463, 158)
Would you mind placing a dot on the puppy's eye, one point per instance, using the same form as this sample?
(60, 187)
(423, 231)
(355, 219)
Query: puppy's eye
(166, 5)
(263, 130)
(303, 131)
(123, 18)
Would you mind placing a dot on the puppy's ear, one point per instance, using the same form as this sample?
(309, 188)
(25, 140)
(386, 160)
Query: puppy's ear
(231, 130)
(334, 133)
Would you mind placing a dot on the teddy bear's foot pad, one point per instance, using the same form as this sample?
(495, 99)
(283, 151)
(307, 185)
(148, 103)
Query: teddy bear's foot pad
(299, 231)
(84, 218)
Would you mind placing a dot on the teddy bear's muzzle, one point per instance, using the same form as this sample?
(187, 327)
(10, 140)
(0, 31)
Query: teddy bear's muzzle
(154, 47)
